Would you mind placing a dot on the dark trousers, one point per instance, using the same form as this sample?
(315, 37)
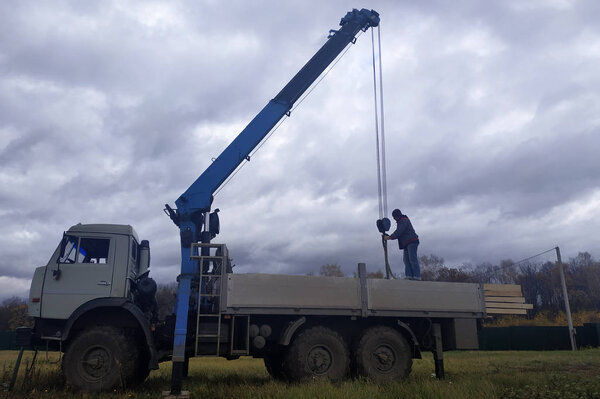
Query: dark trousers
(412, 270)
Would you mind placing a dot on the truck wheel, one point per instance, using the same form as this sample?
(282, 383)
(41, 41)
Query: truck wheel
(317, 353)
(383, 354)
(274, 365)
(100, 359)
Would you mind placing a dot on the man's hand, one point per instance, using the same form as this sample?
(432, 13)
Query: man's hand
(386, 237)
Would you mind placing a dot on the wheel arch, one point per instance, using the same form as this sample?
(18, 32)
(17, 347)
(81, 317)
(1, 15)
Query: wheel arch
(119, 312)
(411, 337)
(290, 330)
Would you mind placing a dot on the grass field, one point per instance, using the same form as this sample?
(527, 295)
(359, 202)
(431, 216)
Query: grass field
(527, 375)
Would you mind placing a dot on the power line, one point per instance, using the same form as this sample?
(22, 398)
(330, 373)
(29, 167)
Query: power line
(500, 268)
(534, 256)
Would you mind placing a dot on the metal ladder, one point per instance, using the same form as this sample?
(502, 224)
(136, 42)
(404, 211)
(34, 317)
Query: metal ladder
(212, 272)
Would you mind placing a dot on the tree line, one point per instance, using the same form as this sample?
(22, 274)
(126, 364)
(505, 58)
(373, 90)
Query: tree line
(539, 281)
(13, 314)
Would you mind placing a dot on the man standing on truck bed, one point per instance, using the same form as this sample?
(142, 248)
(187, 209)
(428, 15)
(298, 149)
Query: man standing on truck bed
(408, 240)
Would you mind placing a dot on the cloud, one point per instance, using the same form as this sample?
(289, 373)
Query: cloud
(12, 286)
(110, 110)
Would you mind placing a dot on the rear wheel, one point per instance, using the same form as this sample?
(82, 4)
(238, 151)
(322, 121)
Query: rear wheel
(100, 359)
(317, 353)
(383, 354)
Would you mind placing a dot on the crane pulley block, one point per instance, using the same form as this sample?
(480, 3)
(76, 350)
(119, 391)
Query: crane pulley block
(383, 225)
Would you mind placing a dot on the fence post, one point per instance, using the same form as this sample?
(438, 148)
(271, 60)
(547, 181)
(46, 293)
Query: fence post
(566, 296)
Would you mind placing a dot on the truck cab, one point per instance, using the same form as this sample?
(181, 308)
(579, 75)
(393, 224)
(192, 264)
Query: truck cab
(92, 261)
(95, 302)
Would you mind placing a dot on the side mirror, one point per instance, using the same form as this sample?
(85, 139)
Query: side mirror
(144, 257)
(56, 274)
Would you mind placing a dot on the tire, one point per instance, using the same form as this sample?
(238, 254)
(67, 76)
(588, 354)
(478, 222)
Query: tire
(383, 354)
(318, 353)
(100, 359)
(274, 365)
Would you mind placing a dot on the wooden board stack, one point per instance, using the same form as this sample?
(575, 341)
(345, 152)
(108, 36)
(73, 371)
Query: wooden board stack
(504, 299)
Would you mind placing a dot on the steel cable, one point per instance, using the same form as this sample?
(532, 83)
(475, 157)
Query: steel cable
(383, 163)
(377, 147)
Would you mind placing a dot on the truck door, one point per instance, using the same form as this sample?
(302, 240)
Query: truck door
(83, 272)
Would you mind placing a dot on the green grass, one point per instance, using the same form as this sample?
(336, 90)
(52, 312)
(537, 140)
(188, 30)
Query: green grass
(527, 375)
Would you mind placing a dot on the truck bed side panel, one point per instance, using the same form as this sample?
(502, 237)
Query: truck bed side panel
(429, 296)
(288, 291)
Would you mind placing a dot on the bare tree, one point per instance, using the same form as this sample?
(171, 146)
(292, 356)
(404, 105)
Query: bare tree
(165, 296)
(430, 266)
(331, 270)
(377, 274)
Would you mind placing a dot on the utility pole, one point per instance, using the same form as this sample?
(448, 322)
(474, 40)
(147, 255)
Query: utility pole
(566, 296)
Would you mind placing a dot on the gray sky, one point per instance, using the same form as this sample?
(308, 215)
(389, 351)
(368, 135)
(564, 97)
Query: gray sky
(109, 110)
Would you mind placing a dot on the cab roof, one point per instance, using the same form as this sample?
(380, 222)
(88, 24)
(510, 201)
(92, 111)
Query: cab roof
(104, 229)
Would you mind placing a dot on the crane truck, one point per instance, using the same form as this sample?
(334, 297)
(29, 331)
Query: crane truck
(95, 302)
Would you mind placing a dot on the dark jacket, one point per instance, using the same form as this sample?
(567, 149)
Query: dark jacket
(405, 233)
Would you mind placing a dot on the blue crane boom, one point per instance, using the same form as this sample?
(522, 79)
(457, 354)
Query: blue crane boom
(198, 196)
(193, 206)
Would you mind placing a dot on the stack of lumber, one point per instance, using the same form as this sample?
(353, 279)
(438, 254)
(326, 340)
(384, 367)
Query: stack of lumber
(504, 299)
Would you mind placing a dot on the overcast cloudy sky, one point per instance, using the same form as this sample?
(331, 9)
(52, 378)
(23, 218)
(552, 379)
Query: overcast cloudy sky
(108, 110)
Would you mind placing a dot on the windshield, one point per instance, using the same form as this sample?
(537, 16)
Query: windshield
(70, 252)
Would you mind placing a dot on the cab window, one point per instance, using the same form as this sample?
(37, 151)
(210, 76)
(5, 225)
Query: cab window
(134, 249)
(85, 250)
(134, 255)
(93, 250)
